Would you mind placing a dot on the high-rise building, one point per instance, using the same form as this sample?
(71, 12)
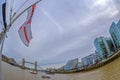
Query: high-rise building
(104, 47)
(72, 64)
(115, 34)
(90, 60)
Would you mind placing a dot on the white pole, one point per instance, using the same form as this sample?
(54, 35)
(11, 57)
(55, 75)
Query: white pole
(1, 75)
(0, 66)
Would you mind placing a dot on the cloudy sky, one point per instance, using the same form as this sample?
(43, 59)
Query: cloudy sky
(61, 29)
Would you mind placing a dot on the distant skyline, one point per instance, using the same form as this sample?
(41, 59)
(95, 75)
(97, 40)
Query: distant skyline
(62, 29)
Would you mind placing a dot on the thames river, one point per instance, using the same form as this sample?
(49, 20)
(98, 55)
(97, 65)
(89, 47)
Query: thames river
(111, 71)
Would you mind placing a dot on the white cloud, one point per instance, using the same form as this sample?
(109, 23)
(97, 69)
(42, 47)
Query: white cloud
(101, 3)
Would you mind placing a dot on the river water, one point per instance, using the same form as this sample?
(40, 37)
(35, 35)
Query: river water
(110, 71)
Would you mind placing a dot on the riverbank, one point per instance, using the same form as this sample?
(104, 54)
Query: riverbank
(92, 67)
(11, 72)
(110, 71)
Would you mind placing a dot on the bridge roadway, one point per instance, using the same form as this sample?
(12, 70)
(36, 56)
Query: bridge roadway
(111, 71)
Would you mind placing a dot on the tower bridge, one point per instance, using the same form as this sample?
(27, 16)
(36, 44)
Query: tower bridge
(110, 71)
(34, 64)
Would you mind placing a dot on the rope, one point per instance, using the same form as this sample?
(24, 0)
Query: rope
(19, 8)
(22, 5)
(11, 9)
(1, 24)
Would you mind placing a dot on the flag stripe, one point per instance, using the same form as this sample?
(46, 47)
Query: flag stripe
(31, 10)
(26, 36)
(22, 36)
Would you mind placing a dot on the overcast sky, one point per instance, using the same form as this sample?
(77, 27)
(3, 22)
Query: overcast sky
(61, 29)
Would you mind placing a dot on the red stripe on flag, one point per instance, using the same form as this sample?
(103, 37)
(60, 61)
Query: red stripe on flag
(29, 21)
(26, 36)
(33, 8)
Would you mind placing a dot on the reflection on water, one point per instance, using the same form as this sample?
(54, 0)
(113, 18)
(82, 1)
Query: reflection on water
(110, 71)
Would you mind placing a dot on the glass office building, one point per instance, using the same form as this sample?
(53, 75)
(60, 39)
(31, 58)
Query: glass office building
(115, 34)
(89, 60)
(104, 47)
(72, 64)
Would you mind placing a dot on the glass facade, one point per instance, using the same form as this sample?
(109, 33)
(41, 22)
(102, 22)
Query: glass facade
(84, 61)
(72, 64)
(115, 34)
(104, 47)
(89, 60)
(111, 45)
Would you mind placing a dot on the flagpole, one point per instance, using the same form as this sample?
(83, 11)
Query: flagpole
(1, 75)
(3, 34)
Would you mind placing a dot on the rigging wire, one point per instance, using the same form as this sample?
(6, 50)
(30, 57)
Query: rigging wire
(11, 6)
(22, 5)
(11, 9)
(1, 24)
(19, 8)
